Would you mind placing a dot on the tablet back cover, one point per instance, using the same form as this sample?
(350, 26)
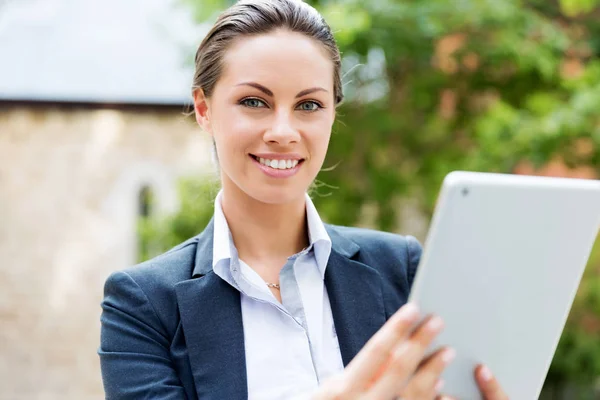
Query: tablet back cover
(501, 264)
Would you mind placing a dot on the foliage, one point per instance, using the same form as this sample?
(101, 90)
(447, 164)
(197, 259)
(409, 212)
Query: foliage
(476, 85)
(577, 358)
(443, 85)
(160, 233)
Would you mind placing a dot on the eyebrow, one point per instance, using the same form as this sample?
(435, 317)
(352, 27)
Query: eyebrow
(309, 91)
(270, 93)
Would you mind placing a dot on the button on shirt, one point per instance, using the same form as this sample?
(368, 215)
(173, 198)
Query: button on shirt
(291, 347)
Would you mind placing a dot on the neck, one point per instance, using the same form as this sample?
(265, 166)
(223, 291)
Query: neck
(264, 231)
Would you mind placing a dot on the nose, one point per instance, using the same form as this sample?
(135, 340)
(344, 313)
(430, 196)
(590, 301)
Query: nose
(282, 130)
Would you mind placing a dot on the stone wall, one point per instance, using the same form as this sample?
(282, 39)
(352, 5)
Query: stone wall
(69, 184)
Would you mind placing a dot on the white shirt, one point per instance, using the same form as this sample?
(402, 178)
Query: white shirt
(291, 347)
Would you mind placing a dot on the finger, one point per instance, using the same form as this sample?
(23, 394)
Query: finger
(444, 397)
(405, 359)
(488, 384)
(370, 360)
(426, 382)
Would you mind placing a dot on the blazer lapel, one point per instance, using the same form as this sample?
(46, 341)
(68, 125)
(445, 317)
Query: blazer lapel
(356, 297)
(211, 315)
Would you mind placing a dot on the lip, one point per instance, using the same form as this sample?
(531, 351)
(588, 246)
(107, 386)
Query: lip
(278, 173)
(279, 156)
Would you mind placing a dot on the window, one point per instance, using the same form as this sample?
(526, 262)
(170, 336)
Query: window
(144, 223)
(145, 202)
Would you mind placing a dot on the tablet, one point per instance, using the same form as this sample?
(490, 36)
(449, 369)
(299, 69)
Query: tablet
(501, 265)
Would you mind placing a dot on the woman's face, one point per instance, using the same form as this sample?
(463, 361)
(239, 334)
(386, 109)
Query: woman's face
(270, 115)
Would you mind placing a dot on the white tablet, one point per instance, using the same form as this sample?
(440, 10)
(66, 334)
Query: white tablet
(501, 265)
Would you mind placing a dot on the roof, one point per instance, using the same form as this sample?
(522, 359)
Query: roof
(109, 51)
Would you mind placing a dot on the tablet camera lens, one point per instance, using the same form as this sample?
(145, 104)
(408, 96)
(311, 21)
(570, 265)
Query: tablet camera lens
(465, 191)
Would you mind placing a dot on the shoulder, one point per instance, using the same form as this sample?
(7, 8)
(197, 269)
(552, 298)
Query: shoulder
(371, 240)
(147, 290)
(390, 253)
(171, 267)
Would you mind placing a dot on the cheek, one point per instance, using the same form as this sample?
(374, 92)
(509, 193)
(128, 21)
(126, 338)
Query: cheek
(319, 138)
(235, 129)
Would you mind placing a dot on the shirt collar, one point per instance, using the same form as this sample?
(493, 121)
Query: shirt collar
(317, 234)
(222, 240)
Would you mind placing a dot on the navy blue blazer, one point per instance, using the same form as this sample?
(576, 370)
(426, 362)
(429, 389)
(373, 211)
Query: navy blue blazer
(172, 329)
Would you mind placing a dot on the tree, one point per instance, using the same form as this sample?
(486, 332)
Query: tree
(476, 85)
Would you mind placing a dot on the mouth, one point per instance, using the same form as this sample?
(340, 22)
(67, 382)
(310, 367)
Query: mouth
(279, 164)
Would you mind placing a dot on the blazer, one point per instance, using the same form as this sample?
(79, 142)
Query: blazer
(172, 329)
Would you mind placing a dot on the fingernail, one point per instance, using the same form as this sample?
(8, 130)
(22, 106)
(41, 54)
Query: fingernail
(409, 311)
(448, 355)
(485, 374)
(435, 324)
(439, 385)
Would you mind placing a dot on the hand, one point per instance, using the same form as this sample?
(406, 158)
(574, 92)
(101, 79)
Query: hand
(489, 386)
(391, 363)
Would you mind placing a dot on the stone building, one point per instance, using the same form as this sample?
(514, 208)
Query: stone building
(92, 117)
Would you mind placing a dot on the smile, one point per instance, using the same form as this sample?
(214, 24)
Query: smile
(278, 168)
(278, 164)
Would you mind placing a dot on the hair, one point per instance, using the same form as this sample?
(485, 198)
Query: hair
(256, 17)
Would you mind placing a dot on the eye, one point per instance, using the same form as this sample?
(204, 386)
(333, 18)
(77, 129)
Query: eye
(252, 102)
(309, 106)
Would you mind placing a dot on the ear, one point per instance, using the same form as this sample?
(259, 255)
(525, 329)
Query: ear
(201, 109)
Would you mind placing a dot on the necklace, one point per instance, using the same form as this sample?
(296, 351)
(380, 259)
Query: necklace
(276, 285)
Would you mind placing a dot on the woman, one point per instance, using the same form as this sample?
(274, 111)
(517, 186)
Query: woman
(268, 302)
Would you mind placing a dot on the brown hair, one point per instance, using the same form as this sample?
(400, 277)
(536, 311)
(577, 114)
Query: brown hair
(255, 17)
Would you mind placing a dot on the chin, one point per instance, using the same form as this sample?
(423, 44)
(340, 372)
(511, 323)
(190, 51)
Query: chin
(271, 194)
(268, 190)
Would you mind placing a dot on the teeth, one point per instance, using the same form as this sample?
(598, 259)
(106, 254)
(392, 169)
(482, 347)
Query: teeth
(278, 164)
